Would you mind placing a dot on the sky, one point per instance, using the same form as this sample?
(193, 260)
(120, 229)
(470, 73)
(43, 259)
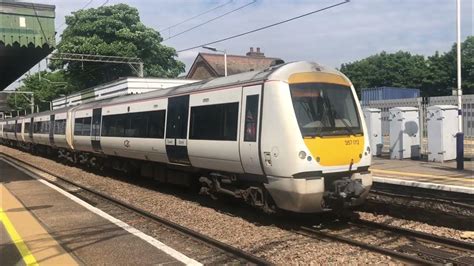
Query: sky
(342, 34)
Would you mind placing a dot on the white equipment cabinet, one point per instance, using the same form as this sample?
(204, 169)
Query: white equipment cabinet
(404, 133)
(442, 128)
(373, 120)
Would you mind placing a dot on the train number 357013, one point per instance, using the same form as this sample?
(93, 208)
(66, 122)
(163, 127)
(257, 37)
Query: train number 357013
(352, 142)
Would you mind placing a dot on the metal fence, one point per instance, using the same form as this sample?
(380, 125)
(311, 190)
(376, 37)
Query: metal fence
(422, 104)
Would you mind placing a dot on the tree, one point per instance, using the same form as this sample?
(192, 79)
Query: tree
(115, 31)
(434, 76)
(46, 86)
(400, 69)
(442, 70)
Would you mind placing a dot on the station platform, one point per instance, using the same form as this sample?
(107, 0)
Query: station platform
(42, 224)
(424, 174)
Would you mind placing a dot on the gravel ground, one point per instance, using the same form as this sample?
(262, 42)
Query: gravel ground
(262, 239)
(414, 225)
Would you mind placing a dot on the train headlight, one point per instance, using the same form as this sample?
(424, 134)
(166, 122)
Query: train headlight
(302, 155)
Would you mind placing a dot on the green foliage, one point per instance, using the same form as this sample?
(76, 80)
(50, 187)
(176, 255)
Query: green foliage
(115, 31)
(435, 75)
(46, 86)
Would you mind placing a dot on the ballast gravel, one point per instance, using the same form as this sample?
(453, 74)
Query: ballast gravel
(280, 246)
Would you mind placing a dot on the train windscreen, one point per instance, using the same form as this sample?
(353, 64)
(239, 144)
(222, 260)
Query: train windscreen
(325, 109)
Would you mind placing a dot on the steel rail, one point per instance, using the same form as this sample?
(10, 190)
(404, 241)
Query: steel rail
(310, 232)
(454, 243)
(423, 198)
(233, 251)
(460, 246)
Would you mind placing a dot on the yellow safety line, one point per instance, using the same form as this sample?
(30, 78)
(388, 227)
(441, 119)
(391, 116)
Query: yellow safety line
(455, 177)
(28, 258)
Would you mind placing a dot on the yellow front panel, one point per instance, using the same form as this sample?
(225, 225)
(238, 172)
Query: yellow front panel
(317, 77)
(336, 150)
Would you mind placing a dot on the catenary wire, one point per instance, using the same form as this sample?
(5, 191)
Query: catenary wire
(212, 19)
(196, 16)
(264, 27)
(86, 5)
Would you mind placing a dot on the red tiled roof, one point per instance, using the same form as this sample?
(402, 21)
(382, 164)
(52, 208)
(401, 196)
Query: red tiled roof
(235, 63)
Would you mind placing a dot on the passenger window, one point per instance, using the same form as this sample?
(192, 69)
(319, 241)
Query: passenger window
(86, 126)
(251, 118)
(78, 126)
(137, 125)
(60, 127)
(156, 124)
(214, 122)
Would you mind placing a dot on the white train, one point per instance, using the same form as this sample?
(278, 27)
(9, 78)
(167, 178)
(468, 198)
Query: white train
(291, 137)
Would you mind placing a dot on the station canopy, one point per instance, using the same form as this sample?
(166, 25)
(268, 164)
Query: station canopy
(27, 35)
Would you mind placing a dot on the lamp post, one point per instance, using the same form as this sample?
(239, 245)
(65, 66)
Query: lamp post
(221, 51)
(460, 135)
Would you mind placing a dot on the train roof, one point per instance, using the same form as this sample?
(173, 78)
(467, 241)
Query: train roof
(242, 78)
(278, 72)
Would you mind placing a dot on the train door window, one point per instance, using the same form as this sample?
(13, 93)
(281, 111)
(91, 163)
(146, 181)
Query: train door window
(156, 124)
(78, 126)
(251, 118)
(214, 122)
(86, 126)
(96, 123)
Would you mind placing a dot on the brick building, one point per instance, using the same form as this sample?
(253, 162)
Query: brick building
(208, 65)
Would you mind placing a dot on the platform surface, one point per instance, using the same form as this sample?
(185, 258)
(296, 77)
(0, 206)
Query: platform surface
(419, 173)
(40, 224)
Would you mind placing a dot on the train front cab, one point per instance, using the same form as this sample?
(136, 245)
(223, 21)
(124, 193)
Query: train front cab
(314, 142)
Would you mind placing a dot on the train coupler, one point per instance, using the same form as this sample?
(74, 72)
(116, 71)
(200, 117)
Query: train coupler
(343, 193)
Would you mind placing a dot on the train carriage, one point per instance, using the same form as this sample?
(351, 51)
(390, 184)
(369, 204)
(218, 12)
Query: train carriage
(291, 136)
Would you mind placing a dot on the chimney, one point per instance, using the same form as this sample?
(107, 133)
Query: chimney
(252, 53)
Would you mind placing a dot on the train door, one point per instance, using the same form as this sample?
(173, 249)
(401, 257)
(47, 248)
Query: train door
(30, 130)
(15, 128)
(249, 128)
(177, 129)
(95, 129)
(51, 130)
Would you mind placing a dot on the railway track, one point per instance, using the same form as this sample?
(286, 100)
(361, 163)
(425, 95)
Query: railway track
(233, 253)
(399, 243)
